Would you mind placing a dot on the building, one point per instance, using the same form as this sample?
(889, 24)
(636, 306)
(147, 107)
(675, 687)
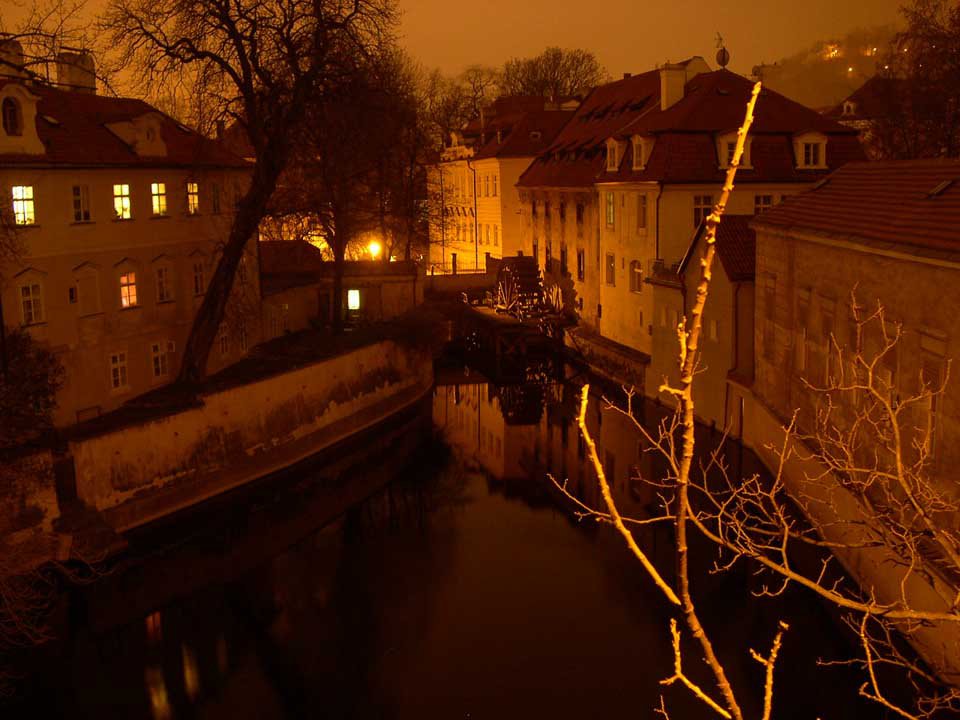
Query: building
(888, 232)
(298, 288)
(472, 186)
(726, 338)
(630, 178)
(879, 99)
(120, 211)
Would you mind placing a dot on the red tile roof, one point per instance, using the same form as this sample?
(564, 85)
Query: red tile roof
(907, 203)
(736, 247)
(876, 98)
(684, 133)
(79, 135)
(527, 135)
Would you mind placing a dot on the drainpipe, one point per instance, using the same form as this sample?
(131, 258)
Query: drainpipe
(659, 195)
(476, 226)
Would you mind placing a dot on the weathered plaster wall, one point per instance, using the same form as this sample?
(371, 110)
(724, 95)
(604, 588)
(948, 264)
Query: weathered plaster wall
(245, 432)
(28, 496)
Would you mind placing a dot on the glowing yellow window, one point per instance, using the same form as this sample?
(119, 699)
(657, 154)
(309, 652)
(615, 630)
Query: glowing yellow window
(193, 198)
(128, 289)
(23, 211)
(121, 202)
(158, 193)
(353, 299)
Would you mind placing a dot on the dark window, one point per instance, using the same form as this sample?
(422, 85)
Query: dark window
(563, 259)
(12, 120)
(611, 269)
(581, 264)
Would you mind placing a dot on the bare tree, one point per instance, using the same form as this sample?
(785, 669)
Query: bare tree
(873, 443)
(263, 63)
(921, 99)
(555, 73)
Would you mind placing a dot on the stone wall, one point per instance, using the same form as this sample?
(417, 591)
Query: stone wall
(28, 496)
(144, 471)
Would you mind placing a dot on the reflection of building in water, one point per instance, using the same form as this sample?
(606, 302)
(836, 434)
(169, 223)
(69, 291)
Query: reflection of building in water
(472, 417)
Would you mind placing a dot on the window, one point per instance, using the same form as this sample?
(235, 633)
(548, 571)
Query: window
(242, 336)
(23, 209)
(731, 149)
(613, 160)
(160, 361)
(353, 299)
(580, 215)
(761, 203)
(121, 202)
(198, 284)
(118, 370)
(636, 276)
(611, 269)
(581, 264)
(563, 211)
(486, 234)
(31, 303)
(811, 154)
(611, 210)
(637, 154)
(242, 270)
(563, 260)
(702, 206)
(641, 212)
(486, 186)
(128, 289)
(496, 235)
(81, 203)
(223, 339)
(494, 185)
(158, 197)
(193, 198)
(164, 289)
(533, 209)
(12, 121)
(215, 198)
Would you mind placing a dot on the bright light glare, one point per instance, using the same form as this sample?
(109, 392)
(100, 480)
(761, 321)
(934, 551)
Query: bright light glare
(353, 299)
(375, 248)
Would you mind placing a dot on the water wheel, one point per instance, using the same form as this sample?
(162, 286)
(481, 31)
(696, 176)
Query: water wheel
(520, 287)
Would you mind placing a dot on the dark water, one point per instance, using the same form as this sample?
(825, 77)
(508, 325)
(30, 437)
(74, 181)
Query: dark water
(463, 589)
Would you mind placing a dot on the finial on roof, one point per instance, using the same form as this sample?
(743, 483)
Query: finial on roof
(723, 55)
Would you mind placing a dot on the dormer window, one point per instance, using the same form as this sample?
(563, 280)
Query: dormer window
(613, 155)
(727, 146)
(641, 151)
(811, 151)
(12, 117)
(849, 108)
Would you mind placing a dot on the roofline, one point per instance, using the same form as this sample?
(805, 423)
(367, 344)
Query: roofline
(921, 255)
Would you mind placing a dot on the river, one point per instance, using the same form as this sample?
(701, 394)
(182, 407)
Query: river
(464, 588)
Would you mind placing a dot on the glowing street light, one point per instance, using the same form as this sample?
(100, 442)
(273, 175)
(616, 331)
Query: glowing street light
(375, 248)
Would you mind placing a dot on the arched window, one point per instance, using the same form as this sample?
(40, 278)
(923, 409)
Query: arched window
(12, 123)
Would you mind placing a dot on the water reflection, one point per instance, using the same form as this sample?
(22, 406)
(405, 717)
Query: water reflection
(464, 588)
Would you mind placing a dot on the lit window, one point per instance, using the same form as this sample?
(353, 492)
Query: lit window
(158, 196)
(12, 124)
(118, 370)
(702, 206)
(198, 286)
(128, 289)
(23, 209)
(31, 303)
(353, 299)
(81, 203)
(611, 269)
(164, 290)
(611, 210)
(160, 360)
(193, 198)
(121, 202)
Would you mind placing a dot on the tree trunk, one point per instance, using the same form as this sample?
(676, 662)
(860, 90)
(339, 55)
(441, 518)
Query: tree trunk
(339, 251)
(206, 323)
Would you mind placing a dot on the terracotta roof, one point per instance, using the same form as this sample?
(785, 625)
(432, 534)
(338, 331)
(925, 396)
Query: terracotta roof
(897, 203)
(876, 98)
(736, 247)
(684, 134)
(73, 128)
(528, 136)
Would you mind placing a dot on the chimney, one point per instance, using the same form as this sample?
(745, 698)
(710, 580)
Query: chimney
(673, 78)
(627, 76)
(75, 71)
(11, 59)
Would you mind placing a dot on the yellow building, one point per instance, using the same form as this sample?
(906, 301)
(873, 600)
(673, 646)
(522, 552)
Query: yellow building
(641, 164)
(120, 211)
(477, 213)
